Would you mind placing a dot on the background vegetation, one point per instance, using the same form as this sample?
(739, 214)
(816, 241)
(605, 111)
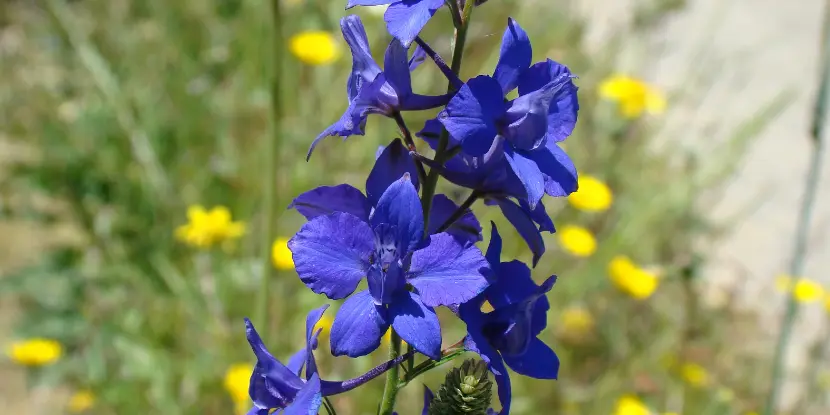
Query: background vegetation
(117, 116)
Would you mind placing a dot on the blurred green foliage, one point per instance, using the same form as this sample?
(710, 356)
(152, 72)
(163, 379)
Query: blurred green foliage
(129, 112)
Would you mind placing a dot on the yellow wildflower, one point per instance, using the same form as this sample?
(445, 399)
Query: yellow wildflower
(80, 401)
(694, 374)
(630, 405)
(324, 325)
(281, 255)
(237, 379)
(35, 352)
(631, 279)
(315, 47)
(577, 241)
(633, 96)
(207, 228)
(804, 290)
(592, 195)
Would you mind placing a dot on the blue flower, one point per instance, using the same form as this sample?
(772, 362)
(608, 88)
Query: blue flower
(375, 91)
(491, 176)
(404, 18)
(391, 163)
(522, 133)
(333, 252)
(277, 386)
(507, 336)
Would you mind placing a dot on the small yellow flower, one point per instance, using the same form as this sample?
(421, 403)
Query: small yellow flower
(35, 352)
(577, 319)
(631, 279)
(592, 195)
(630, 405)
(315, 47)
(633, 97)
(281, 255)
(577, 241)
(694, 374)
(804, 290)
(80, 401)
(324, 325)
(237, 379)
(205, 229)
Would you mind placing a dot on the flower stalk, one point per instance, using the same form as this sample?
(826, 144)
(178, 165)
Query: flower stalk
(390, 391)
(811, 184)
(272, 152)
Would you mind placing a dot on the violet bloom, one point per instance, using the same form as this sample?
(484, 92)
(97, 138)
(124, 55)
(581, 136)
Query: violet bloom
(391, 163)
(277, 386)
(372, 90)
(407, 275)
(523, 131)
(404, 18)
(491, 176)
(507, 336)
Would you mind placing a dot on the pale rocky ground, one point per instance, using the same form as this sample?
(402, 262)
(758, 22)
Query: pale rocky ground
(751, 50)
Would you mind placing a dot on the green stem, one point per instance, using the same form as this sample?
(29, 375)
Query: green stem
(429, 365)
(459, 40)
(460, 211)
(805, 215)
(390, 391)
(272, 150)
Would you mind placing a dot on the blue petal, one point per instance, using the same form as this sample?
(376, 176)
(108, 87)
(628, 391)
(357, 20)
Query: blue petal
(514, 57)
(528, 173)
(358, 326)
(471, 115)
(525, 226)
(513, 284)
(396, 68)
(257, 411)
(417, 102)
(503, 383)
(375, 97)
(353, 3)
(417, 324)
(448, 272)
(405, 19)
(311, 320)
(557, 169)
(364, 68)
(465, 229)
(494, 249)
(308, 400)
(297, 360)
(400, 206)
(383, 285)
(431, 132)
(347, 125)
(389, 167)
(539, 215)
(428, 397)
(418, 57)
(528, 117)
(272, 384)
(562, 113)
(329, 199)
(331, 253)
(539, 361)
